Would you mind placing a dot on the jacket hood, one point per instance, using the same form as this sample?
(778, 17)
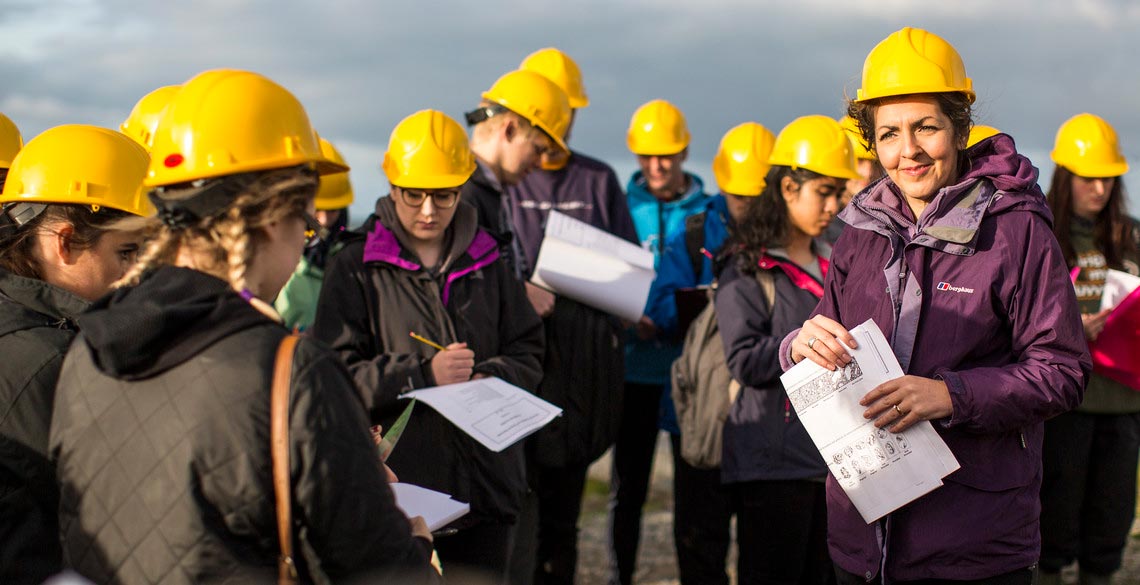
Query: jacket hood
(171, 316)
(638, 190)
(35, 303)
(997, 180)
(457, 239)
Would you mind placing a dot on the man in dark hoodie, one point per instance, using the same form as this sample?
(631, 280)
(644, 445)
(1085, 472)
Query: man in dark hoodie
(584, 365)
(523, 116)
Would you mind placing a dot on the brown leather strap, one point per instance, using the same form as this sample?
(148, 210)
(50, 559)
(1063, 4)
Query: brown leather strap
(279, 439)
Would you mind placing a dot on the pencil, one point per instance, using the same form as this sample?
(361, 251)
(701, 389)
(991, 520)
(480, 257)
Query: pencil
(422, 339)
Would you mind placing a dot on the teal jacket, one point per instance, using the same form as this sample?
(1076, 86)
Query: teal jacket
(648, 362)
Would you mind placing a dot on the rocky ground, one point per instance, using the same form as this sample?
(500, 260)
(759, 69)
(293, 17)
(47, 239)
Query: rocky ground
(657, 564)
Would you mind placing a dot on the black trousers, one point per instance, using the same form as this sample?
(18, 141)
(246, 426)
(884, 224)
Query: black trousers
(781, 531)
(629, 478)
(1088, 494)
(702, 518)
(1019, 577)
(559, 492)
(477, 554)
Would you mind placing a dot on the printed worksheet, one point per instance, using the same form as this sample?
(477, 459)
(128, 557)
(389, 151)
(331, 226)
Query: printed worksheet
(492, 411)
(437, 508)
(598, 269)
(880, 471)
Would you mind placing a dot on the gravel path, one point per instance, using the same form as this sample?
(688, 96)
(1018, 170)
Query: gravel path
(657, 563)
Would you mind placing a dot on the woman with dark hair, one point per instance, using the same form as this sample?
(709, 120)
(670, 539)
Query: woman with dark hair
(61, 248)
(1088, 495)
(953, 256)
(773, 473)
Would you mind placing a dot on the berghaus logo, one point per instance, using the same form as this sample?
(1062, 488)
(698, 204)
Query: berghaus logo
(958, 289)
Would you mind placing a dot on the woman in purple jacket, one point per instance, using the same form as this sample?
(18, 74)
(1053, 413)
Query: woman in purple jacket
(976, 302)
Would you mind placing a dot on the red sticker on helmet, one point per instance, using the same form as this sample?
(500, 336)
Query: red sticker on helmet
(173, 160)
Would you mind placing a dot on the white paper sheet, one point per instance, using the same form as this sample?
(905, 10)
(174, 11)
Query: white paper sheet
(880, 471)
(437, 508)
(582, 262)
(493, 412)
(1117, 285)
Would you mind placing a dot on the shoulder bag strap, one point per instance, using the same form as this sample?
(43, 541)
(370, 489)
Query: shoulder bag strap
(279, 437)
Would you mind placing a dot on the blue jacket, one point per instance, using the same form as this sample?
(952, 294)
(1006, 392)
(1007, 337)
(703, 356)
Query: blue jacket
(648, 362)
(675, 271)
(675, 268)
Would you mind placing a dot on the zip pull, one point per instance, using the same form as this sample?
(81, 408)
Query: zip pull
(1023, 443)
(787, 410)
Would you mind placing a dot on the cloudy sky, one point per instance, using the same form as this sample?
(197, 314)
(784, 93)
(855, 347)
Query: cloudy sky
(359, 66)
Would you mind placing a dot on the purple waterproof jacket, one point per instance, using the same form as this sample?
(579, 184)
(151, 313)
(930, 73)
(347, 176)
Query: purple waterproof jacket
(975, 293)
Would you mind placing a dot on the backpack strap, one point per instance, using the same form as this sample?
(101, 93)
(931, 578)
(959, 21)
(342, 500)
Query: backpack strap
(279, 437)
(768, 286)
(695, 240)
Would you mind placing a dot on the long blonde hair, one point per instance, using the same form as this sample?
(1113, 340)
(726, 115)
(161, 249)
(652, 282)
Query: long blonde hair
(224, 243)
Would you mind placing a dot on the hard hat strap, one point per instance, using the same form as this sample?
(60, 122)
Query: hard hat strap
(19, 214)
(483, 113)
(183, 205)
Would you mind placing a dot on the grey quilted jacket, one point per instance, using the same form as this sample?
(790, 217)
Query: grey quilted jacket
(161, 438)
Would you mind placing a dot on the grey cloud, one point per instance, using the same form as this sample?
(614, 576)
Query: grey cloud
(361, 66)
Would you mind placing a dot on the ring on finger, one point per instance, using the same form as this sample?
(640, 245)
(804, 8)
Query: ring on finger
(811, 341)
(899, 410)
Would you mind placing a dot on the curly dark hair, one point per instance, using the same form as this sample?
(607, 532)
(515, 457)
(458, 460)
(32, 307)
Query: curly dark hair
(955, 105)
(765, 222)
(1113, 232)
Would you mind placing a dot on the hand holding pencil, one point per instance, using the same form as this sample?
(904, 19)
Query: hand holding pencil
(452, 364)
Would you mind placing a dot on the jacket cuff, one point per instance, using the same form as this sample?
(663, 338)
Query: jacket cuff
(786, 350)
(426, 374)
(958, 398)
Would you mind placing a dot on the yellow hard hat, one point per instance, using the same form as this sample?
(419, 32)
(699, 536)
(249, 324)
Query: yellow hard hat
(335, 191)
(428, 150)
(143, 119)
(741, 162)
(536, 98)
(81, 165)
(562, 70)
(657, 128)
(227, 121)
(818, 144)
(979, 133)
(861, 151)
(1087, 146)
(10, 141)
(913, 61)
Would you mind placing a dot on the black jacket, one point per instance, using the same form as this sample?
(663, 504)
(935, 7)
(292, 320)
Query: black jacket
(375, 292)
(161, 438)
(36, 327)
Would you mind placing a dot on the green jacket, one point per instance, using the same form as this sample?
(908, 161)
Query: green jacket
(297, 301)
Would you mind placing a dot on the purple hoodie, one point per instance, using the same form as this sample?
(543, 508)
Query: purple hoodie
(976, 293)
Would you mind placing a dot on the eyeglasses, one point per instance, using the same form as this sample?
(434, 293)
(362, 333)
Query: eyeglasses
(314, 231)
(441, 198)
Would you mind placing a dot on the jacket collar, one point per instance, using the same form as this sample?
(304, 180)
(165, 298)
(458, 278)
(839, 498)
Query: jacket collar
(40, 301)
(388, 243)
(638, 191)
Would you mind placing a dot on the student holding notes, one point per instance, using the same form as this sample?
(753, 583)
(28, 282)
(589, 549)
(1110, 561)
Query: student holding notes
(423, 265)
(953, 256)
(1088, 497)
